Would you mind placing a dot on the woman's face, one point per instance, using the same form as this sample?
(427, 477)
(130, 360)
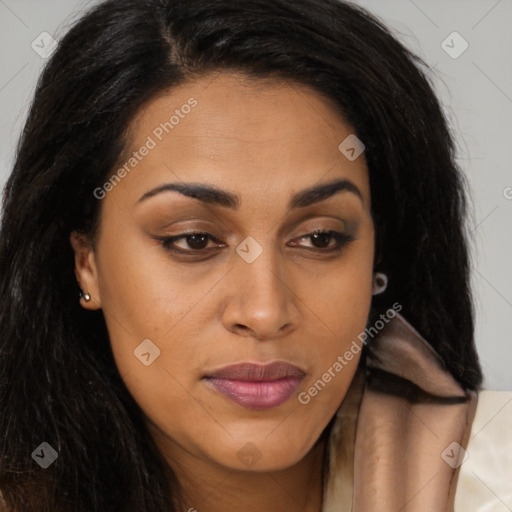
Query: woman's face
(258, 287)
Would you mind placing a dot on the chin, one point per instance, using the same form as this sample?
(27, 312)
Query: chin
(260, 454)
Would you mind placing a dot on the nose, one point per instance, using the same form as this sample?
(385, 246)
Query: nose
(261, 302)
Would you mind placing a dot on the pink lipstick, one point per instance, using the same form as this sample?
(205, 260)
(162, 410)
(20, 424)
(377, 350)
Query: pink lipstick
(257, 386)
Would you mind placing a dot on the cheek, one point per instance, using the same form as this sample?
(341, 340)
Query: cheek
(143, 294)
(149, 306)
(335, 351)
(338, 308)
(336, 341)
(339, 297)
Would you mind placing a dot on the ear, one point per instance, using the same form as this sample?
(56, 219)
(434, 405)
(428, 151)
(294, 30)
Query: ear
(85, 269)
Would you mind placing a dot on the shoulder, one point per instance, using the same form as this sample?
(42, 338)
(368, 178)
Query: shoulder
(485, 478)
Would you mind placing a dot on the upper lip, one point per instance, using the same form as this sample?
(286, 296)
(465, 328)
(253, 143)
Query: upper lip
(256, 372)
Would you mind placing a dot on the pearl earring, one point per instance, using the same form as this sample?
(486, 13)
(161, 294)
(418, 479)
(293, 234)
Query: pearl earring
(380, 283)
(85, 296)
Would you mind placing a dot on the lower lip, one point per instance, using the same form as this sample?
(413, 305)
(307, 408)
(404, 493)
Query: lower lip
(257, 395)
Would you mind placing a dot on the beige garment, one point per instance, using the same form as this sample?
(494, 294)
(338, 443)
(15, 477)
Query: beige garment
(412, 423)
(485, 480)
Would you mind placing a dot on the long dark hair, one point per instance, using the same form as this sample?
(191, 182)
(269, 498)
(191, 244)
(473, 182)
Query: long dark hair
(58, 379)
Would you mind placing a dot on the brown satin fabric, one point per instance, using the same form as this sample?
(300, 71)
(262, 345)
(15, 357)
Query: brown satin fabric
(411, 411)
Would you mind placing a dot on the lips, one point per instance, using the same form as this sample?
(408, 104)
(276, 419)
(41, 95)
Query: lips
(257, 386)
(258, 372)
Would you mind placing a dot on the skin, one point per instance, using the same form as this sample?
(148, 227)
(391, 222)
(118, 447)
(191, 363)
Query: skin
(263, 141)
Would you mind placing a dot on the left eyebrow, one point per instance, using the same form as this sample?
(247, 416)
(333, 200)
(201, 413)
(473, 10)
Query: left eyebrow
(211, 194)
(322, 192)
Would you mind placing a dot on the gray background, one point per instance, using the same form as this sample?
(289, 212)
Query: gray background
(475, 89)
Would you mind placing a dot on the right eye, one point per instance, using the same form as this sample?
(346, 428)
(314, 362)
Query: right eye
(197, 242)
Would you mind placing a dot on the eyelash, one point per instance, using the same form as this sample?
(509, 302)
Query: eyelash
(341, 240)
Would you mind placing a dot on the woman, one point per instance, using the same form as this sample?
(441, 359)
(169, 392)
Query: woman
(249, 200)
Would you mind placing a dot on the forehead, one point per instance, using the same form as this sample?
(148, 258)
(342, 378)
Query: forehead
(240, 133)
(247, 110)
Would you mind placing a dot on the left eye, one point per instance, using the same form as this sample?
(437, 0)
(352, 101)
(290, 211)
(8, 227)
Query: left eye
(320, 239)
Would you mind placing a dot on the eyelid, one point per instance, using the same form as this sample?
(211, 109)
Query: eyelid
(185, 234)
(315, 221)
(342, 231)
(341, 238)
